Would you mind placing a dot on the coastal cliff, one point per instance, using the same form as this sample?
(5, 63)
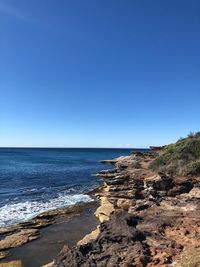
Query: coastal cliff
(148, 217)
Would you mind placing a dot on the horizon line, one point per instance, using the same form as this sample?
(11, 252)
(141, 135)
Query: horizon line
(75, 147)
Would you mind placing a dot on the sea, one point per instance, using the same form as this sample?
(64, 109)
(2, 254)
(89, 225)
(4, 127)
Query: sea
(35, 180)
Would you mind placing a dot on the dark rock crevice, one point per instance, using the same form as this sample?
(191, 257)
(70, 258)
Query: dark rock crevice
(155, 219)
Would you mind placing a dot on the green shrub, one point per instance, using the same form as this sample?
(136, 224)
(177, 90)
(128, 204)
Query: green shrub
(192, 168)
(181, 158)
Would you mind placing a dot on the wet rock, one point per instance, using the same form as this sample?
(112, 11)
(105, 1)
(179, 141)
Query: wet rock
(4, 254)
(118, 244)
(21, 233)
(18, 239)
(11, 264)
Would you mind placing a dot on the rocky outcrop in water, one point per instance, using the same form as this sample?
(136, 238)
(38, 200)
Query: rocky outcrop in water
(22, 233)
(147, 219)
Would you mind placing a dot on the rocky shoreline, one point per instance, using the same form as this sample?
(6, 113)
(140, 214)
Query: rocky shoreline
(146, 219)
(22, 233)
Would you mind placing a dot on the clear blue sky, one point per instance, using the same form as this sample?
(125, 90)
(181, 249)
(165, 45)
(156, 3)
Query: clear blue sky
(98, 73)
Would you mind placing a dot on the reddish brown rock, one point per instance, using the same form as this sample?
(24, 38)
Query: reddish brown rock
(155, 220)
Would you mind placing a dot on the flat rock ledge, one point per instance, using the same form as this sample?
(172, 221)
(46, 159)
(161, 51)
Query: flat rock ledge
(22, 233)
(11, 264)
(146, 219)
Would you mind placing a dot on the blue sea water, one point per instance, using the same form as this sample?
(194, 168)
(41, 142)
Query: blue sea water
(34, 180)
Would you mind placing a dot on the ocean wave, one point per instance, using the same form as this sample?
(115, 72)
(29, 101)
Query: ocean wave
(23, 211)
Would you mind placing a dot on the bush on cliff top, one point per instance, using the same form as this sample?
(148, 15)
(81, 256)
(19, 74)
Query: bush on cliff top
(181, 158)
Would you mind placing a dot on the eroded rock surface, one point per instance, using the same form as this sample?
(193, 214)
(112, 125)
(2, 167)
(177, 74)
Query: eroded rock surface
(22, 233)
(153, 219)
(18, 239)
(11, 264)
(118, 241)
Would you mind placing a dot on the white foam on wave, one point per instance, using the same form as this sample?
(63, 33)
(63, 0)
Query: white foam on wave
(23, 211)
